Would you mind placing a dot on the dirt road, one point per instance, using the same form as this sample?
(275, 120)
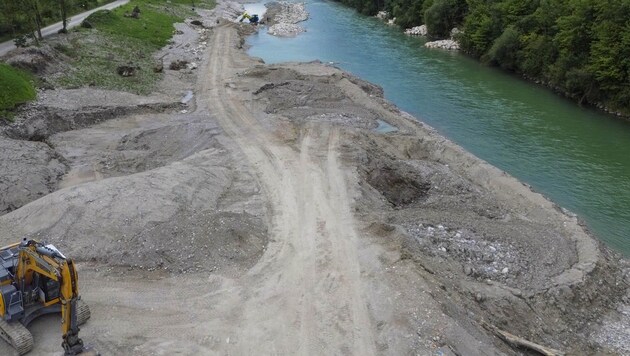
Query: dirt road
(305, 295)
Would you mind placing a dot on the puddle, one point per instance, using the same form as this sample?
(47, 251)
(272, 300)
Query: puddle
(384, 127)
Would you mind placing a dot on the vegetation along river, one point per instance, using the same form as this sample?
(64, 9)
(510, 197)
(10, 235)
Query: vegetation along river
(577, 157)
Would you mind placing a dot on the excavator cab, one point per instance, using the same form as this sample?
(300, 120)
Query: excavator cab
(37, 279)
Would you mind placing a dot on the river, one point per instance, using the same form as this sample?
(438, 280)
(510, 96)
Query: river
(579, 158)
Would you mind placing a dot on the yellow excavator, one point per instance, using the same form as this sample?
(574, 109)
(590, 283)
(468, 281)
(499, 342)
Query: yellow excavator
(253, 19)
(37, 279)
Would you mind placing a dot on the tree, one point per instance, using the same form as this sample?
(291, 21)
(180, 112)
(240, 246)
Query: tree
(505, 49)
(443, 15)
(64, 15)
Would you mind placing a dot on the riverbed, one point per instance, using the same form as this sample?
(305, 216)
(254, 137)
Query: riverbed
(575, 156)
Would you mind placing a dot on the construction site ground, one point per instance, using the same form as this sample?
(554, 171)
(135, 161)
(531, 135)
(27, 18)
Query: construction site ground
(270, 213)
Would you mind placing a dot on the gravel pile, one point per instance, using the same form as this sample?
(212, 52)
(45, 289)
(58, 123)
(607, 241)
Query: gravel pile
(283, 18)
(450, 45)
(481, 258)
(285, 30)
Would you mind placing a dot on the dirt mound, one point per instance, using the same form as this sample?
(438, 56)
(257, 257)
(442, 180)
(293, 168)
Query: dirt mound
(28, 171)
(42, 60)
(307, 98)
(117, 221)
(63, 110)
(114, 149)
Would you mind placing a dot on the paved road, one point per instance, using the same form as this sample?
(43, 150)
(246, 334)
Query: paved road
(5, 47)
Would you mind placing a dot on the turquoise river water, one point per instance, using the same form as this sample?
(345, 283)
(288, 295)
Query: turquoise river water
(579, 158)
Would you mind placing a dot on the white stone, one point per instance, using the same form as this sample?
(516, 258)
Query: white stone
(417, 31)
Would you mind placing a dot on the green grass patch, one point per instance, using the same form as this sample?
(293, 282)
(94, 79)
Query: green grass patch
(97, 65)
(202, 4)
(153, 26)
(116, 39)
(16, 87)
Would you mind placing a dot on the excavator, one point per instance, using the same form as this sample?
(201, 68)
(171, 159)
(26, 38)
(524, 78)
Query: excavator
(37, 279)
(253, 19)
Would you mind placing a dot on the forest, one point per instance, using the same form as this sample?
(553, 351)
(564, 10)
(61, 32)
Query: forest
(580, 48)
(27, 17)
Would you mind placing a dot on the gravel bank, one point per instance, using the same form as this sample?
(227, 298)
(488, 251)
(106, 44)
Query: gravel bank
(283, 18)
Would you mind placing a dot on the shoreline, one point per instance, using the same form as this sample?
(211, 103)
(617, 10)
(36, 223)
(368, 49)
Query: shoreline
(425, 240)
(449, 44)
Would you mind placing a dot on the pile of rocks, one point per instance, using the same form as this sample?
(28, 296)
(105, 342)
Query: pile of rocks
(417, 31)
(382, 15)
(450, 45)
(285, 29)
(291, 12)
(284, 17)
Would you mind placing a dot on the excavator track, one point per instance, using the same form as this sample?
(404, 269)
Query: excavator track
(17, 335)
(83, 313)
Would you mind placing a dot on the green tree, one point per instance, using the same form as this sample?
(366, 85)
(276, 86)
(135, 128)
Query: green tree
(504, 50)
(443, 15)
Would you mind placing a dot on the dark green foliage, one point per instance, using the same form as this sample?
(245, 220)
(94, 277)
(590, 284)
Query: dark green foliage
(580, 47)
(443, 15)
(16, 87)
(504, 50)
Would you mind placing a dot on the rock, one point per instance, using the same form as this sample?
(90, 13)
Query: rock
(505, 270)
(468, 270)
(392, 22)
(178, 64)
(479, 297)
(285, 30)
(443, 44)
(126, 71)
(454, 32)
(197, 23)
(382, 15)
(417, 31)
(284, 16)
(158, 67)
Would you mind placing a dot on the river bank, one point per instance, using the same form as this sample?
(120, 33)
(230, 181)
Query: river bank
(452, 43)
(299, 225)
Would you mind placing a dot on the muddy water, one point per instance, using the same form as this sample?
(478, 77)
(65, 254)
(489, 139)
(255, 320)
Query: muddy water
(577, 157)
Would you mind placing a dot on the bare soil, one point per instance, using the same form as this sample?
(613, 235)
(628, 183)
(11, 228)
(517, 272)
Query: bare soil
(268, 215)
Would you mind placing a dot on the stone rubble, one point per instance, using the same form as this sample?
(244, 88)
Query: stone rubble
(417, 31)
(450, 45)
(286, 19)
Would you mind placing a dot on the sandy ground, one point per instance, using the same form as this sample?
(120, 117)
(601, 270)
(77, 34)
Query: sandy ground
(271, 215)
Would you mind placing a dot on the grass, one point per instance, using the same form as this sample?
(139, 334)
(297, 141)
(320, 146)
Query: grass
(16, 87)
(116, 40)
(155, 26)
(202, 4)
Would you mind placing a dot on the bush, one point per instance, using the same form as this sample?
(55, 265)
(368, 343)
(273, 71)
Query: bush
(504, 50)
(16, 87)
(442, 16)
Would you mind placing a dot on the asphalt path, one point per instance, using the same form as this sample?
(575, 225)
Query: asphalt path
(75, 20)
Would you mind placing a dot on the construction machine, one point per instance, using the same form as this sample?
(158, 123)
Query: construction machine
(37, 279)
(253, 19)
